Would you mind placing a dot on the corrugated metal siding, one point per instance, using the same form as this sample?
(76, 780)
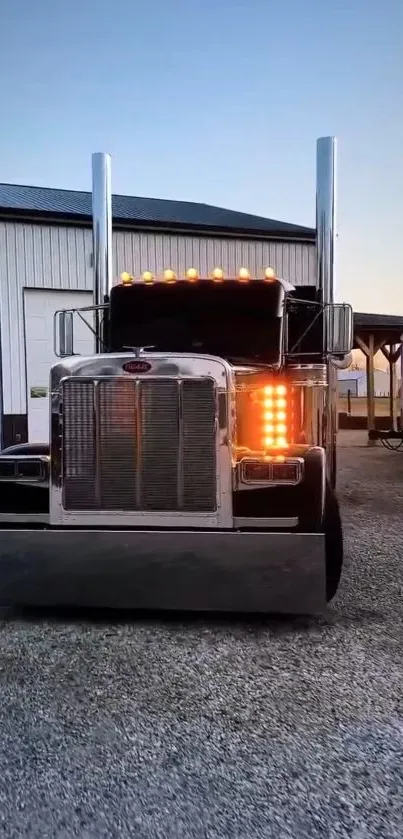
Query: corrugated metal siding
(60, 257)
(137, 252)
(35, 256)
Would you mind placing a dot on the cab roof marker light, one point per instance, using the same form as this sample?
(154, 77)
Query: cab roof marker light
(170, 276)
(147, 277)
(192, 275)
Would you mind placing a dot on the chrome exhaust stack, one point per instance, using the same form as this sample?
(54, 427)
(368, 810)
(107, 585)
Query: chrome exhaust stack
(326, 151)
(102, 234)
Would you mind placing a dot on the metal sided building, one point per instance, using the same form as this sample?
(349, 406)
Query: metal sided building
(46, 264)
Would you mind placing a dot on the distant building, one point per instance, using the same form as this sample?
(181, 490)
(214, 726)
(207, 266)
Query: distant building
(355, 381)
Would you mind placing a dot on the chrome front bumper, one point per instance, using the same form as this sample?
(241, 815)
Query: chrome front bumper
(177, 570)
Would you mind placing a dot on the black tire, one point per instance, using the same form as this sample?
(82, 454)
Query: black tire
(311, 492)
(333, 543)
(333, 479)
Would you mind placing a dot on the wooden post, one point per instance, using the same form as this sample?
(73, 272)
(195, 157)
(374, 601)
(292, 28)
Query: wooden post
(392, 355)
(371, 386)
(401, 384)
(394, 359)
(389, 355)
(370, 350)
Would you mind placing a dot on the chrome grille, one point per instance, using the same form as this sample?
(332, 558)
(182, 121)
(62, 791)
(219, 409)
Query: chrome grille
(139, 444)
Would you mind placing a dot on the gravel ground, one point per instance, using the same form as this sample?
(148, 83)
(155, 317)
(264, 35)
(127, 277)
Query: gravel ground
(210, 729)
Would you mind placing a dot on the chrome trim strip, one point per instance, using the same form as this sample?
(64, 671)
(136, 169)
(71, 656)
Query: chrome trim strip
(138, 442)
(239, 521)
(324, 475)
(280, 523)
(307, 375)
(24, 518)
(97, 430)
(179, 489)
(179, 365)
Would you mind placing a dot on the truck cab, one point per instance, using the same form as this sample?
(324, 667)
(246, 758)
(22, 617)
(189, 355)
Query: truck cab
(191, 462)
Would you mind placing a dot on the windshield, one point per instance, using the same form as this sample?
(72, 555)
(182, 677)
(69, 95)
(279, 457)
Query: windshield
(232, 320)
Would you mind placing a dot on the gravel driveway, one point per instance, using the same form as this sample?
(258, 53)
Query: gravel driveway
(212, 729)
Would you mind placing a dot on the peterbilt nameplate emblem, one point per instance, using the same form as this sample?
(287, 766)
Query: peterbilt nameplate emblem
(136, 366)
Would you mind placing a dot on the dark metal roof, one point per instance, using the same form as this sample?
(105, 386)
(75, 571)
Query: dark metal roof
(382, 323)
(70, 205)
(386, 329)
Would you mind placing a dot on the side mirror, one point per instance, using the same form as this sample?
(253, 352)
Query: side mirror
(64, 345)
(339, 326)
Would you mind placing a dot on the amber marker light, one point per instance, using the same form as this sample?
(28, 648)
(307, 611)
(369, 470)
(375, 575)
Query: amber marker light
(147, 277)
(170, 276)
(126, 278)
(218, 275)
(273, 404)
(192, 275)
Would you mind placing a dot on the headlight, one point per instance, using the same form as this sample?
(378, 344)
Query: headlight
(272, 470)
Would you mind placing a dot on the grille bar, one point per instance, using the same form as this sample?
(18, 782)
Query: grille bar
(139, 444)
(180, 446)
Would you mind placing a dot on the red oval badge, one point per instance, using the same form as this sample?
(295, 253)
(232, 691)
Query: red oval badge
(137, 366)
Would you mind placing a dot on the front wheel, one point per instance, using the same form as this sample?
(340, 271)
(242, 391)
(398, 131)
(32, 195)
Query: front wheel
(333, 530)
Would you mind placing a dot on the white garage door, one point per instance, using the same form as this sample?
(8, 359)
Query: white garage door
(40, 307)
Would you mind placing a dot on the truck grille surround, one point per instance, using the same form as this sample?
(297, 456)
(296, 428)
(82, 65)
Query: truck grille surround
(136, 445)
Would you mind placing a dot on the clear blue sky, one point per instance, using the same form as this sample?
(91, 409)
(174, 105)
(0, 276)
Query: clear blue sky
(218, 101)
